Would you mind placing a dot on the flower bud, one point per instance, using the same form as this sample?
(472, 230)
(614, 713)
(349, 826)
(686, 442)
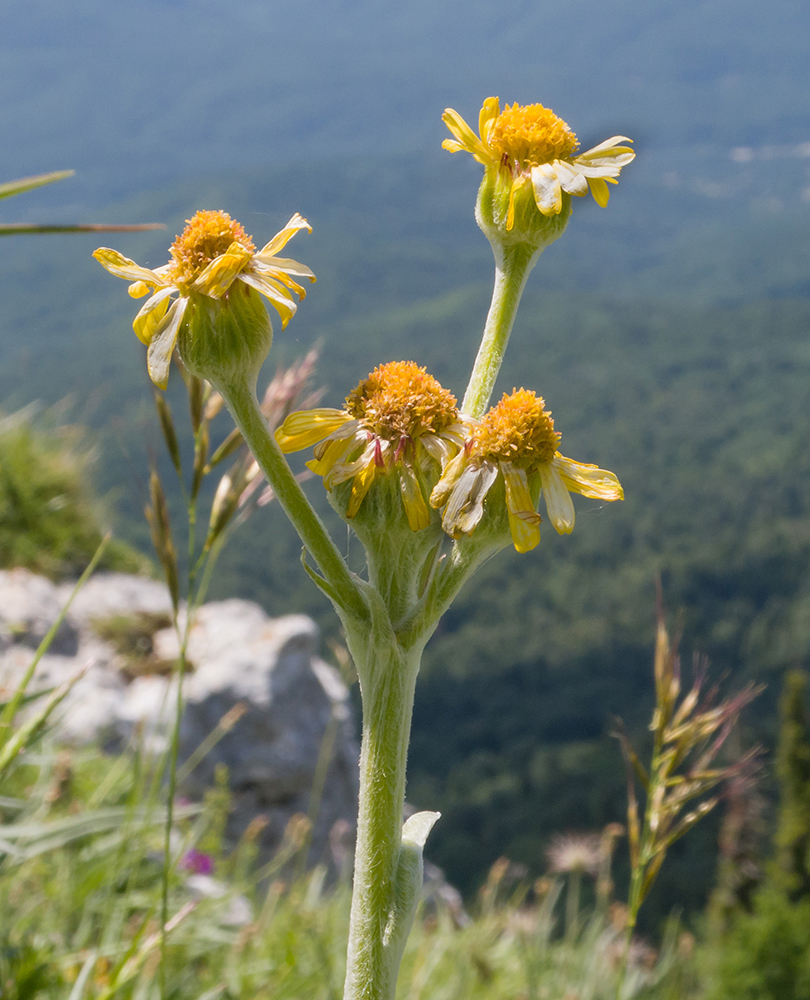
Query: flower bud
(226, 340)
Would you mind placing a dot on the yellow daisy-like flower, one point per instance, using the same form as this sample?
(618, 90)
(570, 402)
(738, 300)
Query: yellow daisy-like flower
(212, 253)
(398, 419)
(516, 440)
(533, 147)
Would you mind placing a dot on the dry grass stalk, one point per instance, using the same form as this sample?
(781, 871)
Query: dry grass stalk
(682, 785)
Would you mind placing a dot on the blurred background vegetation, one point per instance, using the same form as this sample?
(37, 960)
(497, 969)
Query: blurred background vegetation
(668, 333)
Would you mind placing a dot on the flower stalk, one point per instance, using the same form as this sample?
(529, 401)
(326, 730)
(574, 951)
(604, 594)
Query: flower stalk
(513, 265)
(339, 583)
(387, 875)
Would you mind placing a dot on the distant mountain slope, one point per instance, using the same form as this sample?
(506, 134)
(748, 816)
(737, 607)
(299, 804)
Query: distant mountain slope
(144, 92)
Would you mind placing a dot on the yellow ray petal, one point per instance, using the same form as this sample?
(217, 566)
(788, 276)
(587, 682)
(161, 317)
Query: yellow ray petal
(523, 519)
(159, 353)
(466, 139)
(280, 240)
(416, 510)
(547, 190)
(589, 480)
(220, 274)
(608, 154)
(599, 190)
(274, 274)
(123, 267)
(342, 471)
(328, 455)
(306, 427)
(444, 487)
(465, 506)
(490, 110)
(571, 179)
(559, 505)
(283, 302)
(286, 264)
(360, 486)
(150, 315)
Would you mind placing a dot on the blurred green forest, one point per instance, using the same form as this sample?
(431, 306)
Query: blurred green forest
(669, 333)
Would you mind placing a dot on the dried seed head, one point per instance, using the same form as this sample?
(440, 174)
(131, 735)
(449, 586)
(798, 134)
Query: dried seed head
(575, 852)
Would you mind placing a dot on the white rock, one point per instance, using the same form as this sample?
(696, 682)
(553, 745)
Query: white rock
(295, 706)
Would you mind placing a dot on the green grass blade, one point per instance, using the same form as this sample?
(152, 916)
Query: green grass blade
(26, 732)
(10, 188)
(16, 228)
(13, 706)
(81, 980)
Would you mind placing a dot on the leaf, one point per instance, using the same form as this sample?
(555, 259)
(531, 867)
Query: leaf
(33, 839)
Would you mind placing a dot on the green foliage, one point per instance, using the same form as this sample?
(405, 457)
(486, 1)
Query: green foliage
(81, 889)
(792, 839)
(50, 521)
(766, 956)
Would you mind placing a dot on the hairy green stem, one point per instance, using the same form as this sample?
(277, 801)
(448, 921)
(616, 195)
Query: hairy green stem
(379, 922)
(513, 264)
(244, 406)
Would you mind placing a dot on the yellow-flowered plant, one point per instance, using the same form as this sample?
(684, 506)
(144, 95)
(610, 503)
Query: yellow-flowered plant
(430, 489)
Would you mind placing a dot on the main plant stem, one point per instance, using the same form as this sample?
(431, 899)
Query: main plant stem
(379, 921)
(513, 264)
(388, 860)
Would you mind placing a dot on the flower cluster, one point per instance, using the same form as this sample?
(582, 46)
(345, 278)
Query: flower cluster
(400, 419)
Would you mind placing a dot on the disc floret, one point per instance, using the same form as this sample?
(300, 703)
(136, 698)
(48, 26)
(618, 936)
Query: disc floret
(519, 429)
(207, 235)
(526, 136)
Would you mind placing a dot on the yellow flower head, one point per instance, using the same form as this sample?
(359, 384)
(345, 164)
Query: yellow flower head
(398, 419)
(529, 148)
(209, 258)
(517, 441)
